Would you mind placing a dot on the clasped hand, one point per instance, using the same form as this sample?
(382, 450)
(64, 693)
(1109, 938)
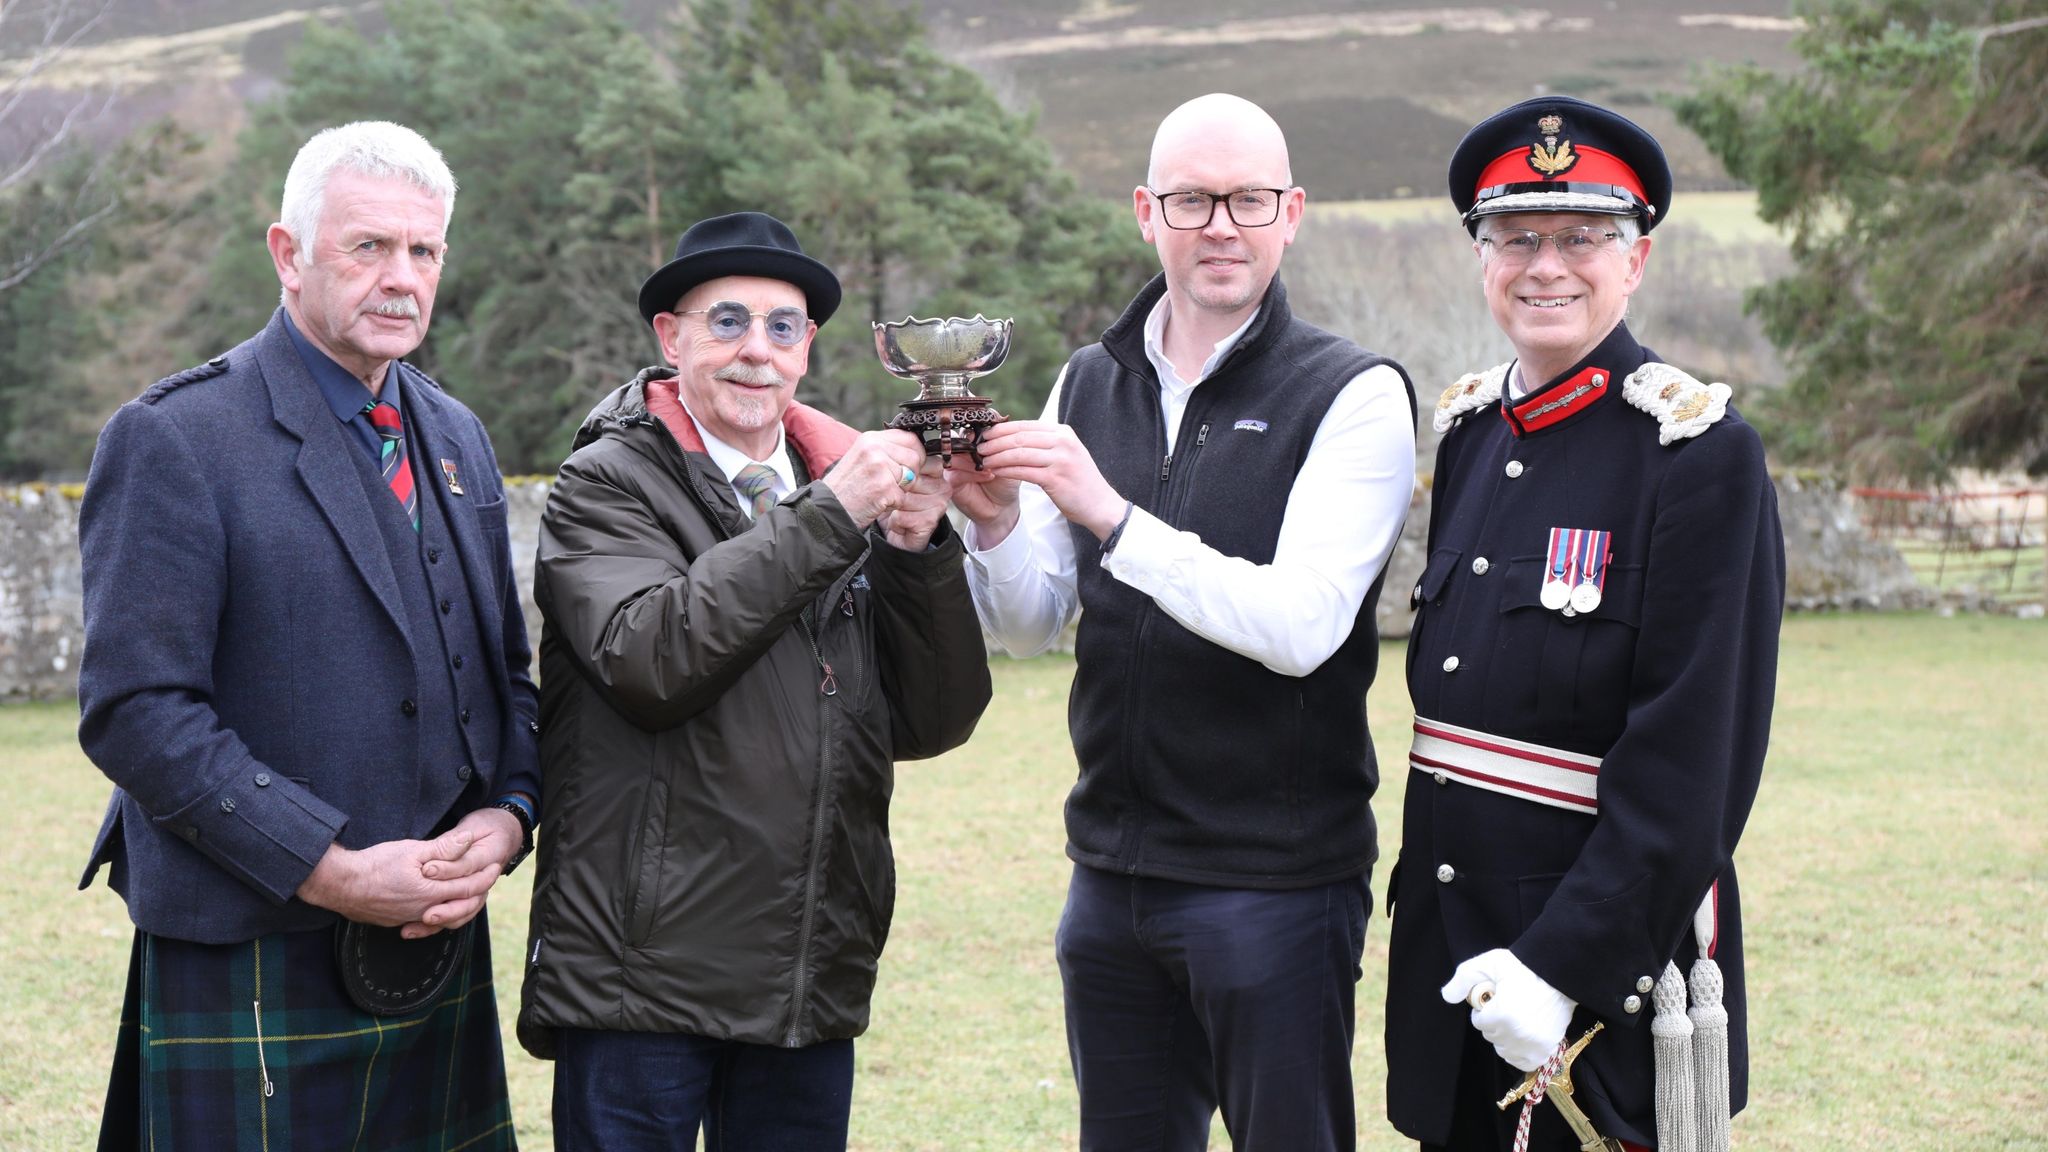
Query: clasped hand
(420, 886)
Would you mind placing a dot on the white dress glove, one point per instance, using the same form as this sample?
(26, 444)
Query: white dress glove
(1526, 1018)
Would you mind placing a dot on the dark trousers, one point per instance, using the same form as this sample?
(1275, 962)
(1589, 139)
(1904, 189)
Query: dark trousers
(1183, 997)
(640, 1091)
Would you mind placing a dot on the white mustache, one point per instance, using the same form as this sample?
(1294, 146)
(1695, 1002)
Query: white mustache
(402, 307)
(757, 375)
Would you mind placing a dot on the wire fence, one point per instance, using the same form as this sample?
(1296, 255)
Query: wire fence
(1988, 544)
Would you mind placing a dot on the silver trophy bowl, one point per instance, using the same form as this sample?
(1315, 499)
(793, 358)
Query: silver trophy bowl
(943, 356)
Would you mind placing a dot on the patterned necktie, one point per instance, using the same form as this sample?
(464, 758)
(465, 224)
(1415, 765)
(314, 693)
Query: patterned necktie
(757, 483)
(397, 469)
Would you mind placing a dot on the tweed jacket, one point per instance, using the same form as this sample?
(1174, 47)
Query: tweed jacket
(248, 681)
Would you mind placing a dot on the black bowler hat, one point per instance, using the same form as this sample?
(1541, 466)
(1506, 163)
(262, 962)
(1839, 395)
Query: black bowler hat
(740, 244)
(1558, 154)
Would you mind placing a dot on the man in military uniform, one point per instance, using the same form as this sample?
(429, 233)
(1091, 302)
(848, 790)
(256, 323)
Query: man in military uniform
(1592, 669)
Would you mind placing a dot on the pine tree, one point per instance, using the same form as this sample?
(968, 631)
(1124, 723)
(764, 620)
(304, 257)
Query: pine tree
(1910, 164)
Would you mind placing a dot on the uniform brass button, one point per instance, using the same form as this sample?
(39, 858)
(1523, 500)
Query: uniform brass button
(227, 804)
(263, 779)
(1598, 379)
(408, 708)
(462, 773)
(1644, 983)
(1632, 1005)
(1445, 873)
(1450, 663)
(1417, 594)
(1514, 469)
(1480, 565)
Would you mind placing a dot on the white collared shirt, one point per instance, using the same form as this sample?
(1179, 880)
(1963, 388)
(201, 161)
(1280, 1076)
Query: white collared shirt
(730, 460)
(1343, 516)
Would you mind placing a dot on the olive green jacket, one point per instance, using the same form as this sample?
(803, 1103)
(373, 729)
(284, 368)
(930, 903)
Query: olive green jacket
(722, 702)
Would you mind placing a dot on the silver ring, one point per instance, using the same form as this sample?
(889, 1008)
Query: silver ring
(909, 478)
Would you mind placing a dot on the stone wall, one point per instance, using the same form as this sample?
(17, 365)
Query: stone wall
(1830, 563)
(40, 629)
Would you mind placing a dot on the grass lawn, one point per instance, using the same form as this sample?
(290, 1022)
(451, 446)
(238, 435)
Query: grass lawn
(1894, 873)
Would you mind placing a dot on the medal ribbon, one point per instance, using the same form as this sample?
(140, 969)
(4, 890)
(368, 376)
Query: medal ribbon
(1593, 561)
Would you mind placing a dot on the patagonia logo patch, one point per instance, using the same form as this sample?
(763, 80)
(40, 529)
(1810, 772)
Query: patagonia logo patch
(1249, 426)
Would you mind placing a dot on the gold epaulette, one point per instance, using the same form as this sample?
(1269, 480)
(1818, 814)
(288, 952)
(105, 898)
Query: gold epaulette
(1683, 406)
(1469, 394)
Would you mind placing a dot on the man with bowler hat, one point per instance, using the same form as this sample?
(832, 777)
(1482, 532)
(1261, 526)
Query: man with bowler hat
(1592, 668)
(750, 612)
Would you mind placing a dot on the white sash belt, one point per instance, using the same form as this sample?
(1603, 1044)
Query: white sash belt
(1552, 776)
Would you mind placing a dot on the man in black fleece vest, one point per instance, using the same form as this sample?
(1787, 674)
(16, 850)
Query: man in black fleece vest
(1219, 485)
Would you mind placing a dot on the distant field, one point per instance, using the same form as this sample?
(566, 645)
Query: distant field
(1894, 874)
(1373, 93)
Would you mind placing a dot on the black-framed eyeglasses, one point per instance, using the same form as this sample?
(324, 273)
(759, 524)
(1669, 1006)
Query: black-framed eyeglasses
(1576, 244)
(1246, 207)
(729, 320)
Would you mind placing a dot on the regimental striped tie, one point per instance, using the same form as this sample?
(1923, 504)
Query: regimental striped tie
(757, 482)
(397, 468)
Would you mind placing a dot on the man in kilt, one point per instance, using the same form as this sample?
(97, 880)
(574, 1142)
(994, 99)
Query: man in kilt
(305, 672)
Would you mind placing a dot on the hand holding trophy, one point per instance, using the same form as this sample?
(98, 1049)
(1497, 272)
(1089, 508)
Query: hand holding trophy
(942, 356)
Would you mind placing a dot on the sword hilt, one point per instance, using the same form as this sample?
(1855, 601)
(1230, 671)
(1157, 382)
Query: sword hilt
(1559, 1090)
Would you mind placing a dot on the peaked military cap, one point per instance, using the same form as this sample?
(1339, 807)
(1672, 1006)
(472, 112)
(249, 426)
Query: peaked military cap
(1560, 154)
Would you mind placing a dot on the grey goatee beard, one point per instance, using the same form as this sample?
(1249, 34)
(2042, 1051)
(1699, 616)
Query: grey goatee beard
(749, 410)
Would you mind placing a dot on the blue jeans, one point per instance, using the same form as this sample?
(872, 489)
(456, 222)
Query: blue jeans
(643, 1091)
(1183, 997)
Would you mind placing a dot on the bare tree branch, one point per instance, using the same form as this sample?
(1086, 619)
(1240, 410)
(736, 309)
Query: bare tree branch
(27, 265)
(49, 49)
(65, 23)
(1992, 33)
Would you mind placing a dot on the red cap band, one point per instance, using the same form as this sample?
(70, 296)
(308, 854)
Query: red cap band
(1593, 167)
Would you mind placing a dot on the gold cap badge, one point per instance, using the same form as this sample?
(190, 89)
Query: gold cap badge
(1550, 156)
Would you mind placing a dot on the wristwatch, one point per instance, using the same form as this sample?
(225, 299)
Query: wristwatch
(524, 814)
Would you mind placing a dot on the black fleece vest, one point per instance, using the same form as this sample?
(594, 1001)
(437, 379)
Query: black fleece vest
(1197, 764)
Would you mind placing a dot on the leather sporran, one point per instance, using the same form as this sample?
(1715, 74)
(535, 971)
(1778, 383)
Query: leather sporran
(387, 975)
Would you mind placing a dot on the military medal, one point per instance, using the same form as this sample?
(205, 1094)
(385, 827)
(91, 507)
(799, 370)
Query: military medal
(454, 481)
(1557, 570)
(1592, 571)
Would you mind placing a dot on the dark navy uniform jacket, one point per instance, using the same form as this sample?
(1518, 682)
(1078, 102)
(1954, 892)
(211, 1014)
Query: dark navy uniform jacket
(1670, 680)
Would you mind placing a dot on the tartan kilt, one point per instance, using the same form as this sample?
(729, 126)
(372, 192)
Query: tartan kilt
(197, 1068)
